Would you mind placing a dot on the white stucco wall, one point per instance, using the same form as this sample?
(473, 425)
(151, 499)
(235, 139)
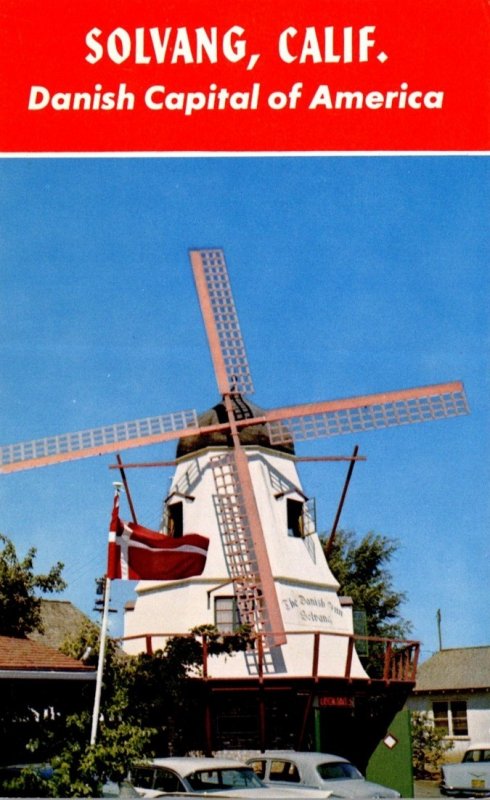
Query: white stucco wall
(306, 588)
(478, 716)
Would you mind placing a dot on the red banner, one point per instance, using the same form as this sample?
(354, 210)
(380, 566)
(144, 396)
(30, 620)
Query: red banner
(187, 76)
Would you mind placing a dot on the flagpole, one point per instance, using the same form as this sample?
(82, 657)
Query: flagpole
(102, 647)
(100, 665)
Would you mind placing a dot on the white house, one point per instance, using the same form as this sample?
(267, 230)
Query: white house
(453, 688)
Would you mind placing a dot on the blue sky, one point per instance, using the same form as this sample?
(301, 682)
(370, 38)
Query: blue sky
(351, 275)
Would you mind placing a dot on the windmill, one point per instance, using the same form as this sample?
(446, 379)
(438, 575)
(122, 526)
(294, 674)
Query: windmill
(236, 503)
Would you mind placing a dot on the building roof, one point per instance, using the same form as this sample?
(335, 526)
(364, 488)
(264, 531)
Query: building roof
(24, 655)
(457, 669)
(60, 619)
(251, 435)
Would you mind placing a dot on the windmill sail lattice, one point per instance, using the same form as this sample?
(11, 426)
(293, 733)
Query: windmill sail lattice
(221, 322)
(95, 441)
(373, 412)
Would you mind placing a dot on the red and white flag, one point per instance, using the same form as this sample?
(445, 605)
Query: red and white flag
(137, 553)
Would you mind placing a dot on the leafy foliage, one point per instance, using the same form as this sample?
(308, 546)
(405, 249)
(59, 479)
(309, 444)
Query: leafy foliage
(84, 646)
(150, 703)
(20, 605)
(218, 643)
(163, 693)
(361, 569)
(79, 768)
(428, 745)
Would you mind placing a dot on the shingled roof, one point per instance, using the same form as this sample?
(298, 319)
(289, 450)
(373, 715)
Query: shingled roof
(458, 669)
(253, 435)
(24, 655)
(60, 619)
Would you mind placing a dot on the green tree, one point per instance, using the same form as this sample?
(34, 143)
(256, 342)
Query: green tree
(20, 602)
(428, 745)
(361, 568)
(150, 703)
(166, 694)
(79, 768)
(20, 614)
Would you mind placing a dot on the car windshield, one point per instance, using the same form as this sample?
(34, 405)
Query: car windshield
(229, 778)
(338, 770)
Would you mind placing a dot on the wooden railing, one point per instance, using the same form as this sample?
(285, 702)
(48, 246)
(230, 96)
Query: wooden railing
(392, 660)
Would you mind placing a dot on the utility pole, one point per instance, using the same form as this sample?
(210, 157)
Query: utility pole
(438, 618)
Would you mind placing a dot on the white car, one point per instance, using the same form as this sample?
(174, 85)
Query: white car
(221, 777)
(322, 772)
(471, 777)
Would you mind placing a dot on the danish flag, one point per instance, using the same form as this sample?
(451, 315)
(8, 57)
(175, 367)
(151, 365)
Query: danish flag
(137, 553)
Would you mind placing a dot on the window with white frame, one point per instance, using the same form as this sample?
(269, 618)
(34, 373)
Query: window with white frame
(451, 716)
(226, 616)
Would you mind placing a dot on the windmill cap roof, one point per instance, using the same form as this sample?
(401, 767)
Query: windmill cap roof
(251, 435)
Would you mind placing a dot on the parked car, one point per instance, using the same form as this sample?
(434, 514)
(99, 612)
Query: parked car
(320, 771)
(223, 777)
(112, 789)
(471, 777)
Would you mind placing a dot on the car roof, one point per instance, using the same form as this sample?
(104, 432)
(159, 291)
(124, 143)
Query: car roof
(298, 755)
(478, 746)
(184, 765)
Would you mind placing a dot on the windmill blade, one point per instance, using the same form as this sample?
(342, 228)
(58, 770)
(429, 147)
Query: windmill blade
(306, 421)
(366, 413)
(97, 441)
(221, 322)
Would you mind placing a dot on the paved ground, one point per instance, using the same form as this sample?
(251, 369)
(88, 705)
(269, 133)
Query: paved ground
(426, 789)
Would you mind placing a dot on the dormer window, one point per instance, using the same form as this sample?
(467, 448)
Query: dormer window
(295, 518)
(175, 519)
